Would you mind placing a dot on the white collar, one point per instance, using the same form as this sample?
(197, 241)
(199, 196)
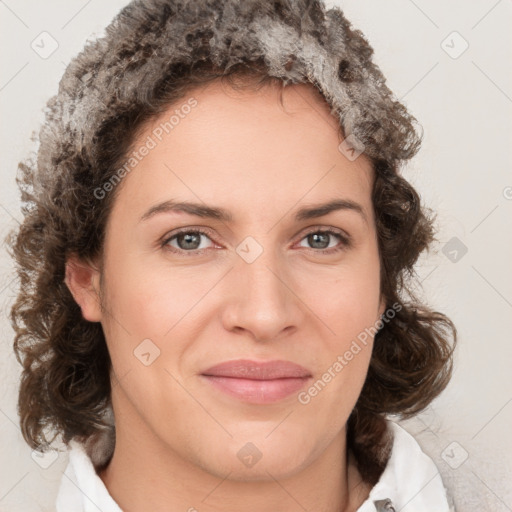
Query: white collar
(410, 482)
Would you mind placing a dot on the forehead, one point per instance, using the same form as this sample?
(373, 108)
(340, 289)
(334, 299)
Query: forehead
(244, 150)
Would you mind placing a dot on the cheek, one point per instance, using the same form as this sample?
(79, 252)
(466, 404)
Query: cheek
(149, 300)
(347, 302)
(346, 299)
(149, 303)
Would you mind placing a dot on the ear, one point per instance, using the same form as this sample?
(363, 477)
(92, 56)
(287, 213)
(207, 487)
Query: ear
(83, 281)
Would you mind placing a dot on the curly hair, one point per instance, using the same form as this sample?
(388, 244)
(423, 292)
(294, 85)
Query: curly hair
(153, 54)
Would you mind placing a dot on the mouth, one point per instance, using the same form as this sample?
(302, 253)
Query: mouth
(257, 382)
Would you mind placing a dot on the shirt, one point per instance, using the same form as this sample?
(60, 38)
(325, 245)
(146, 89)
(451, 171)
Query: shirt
(410, 482)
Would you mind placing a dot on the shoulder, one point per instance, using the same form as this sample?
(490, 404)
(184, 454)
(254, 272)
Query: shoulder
(411, 482)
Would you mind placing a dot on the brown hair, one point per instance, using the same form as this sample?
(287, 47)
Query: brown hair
(106, 95)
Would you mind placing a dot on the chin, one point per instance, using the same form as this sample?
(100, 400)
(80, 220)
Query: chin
(263, 459)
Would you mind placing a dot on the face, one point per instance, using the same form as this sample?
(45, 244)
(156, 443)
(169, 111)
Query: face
(255, 271)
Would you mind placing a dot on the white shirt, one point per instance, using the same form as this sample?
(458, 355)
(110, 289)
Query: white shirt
(410, 482)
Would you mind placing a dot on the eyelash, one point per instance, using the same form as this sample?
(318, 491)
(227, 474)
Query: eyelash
(345, 241)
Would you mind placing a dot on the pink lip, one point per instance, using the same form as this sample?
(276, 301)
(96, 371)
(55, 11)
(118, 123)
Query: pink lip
(257, 382)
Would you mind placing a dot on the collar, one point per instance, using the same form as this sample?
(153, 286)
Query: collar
(410, 482)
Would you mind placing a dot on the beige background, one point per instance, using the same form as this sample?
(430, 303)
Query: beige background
(463, 171)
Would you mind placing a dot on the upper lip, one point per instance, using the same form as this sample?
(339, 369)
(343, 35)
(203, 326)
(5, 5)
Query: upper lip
(254, 370)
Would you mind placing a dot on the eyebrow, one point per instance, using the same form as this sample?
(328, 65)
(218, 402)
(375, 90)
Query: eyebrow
(205, 211)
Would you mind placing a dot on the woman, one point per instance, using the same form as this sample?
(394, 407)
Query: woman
(214, 310)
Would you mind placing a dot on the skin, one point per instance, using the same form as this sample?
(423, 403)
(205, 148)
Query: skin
(177, 436)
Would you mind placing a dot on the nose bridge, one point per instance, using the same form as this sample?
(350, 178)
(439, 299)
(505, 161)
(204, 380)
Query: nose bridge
(258, 270)
(261, 276)
(261, 301)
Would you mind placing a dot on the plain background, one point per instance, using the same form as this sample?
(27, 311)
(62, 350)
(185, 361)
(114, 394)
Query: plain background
(462, 99)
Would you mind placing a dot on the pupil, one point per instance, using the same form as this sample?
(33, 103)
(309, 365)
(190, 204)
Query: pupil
(323, 238)
(191, 240)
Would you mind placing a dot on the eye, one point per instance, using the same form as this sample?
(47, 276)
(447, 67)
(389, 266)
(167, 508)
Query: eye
(322, 241)
(187, 240)
(190, 241)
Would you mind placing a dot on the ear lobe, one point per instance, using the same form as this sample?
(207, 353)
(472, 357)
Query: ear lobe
(82, 279)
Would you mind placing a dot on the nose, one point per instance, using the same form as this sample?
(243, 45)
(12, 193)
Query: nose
(261, 299)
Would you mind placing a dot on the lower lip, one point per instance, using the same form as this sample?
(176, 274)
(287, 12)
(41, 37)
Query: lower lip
(257, 391)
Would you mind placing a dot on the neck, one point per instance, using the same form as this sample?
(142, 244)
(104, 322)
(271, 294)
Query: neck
(145, 473)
